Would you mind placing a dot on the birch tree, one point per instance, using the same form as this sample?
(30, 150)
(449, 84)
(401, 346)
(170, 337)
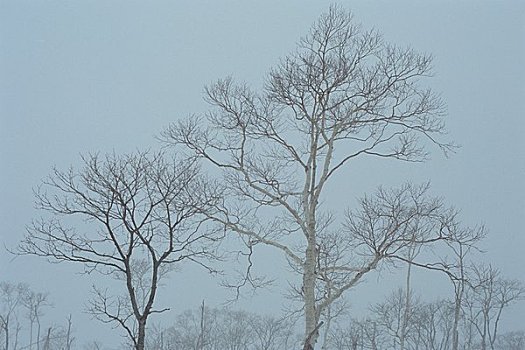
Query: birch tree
(343, 94)
(136, 223)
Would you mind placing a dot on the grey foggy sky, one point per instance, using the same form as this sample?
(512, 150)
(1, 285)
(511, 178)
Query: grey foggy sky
(80, 76)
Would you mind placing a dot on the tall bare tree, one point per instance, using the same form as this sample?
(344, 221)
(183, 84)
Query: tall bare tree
(343, 94)
(137, 222)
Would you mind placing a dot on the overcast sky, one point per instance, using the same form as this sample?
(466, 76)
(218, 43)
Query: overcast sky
(81, 76)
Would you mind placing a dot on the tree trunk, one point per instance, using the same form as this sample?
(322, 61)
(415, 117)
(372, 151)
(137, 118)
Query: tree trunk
(455, 333)
(18, 327)
(406, 312)
(202, 333)
(6, 328)
(69, 341)
(38, 333)
(308, 343)
(48, 339)
(459, 299)
(31, 322)
(141, 338)
(327, 328)
(310, 311)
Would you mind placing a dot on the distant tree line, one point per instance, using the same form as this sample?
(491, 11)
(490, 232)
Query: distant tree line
(22, 324)
(429, 324)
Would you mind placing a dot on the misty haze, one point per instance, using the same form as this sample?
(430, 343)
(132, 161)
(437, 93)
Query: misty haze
(278, 175)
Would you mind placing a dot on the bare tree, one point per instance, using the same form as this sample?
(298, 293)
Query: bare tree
(34, 303)
(511, 341)
(332, 313)
(433, 326)
(359, 335)
(344, 93)
(69, 338)
(271, 333)
(219, 329)
(485, 301)
(137, 223)
(57, 337)
(426, 325)
(347, 338)
(412, 252)
(18, 300)
(93, 345)
(47, 339)
(186, 331)
(395, 320)
(202, 329)
(11, 298)
(463, 241)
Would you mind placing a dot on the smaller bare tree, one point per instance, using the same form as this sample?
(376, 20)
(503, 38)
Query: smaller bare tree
(433, 325)
(485, 301)
(511, 341)
(395, 320)
(271, 333)
(463, 241)
(138, 222)
(358, 335)
(69, 338)
(93, 345)
(34, 302)
(218, 329)
(11, 298)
